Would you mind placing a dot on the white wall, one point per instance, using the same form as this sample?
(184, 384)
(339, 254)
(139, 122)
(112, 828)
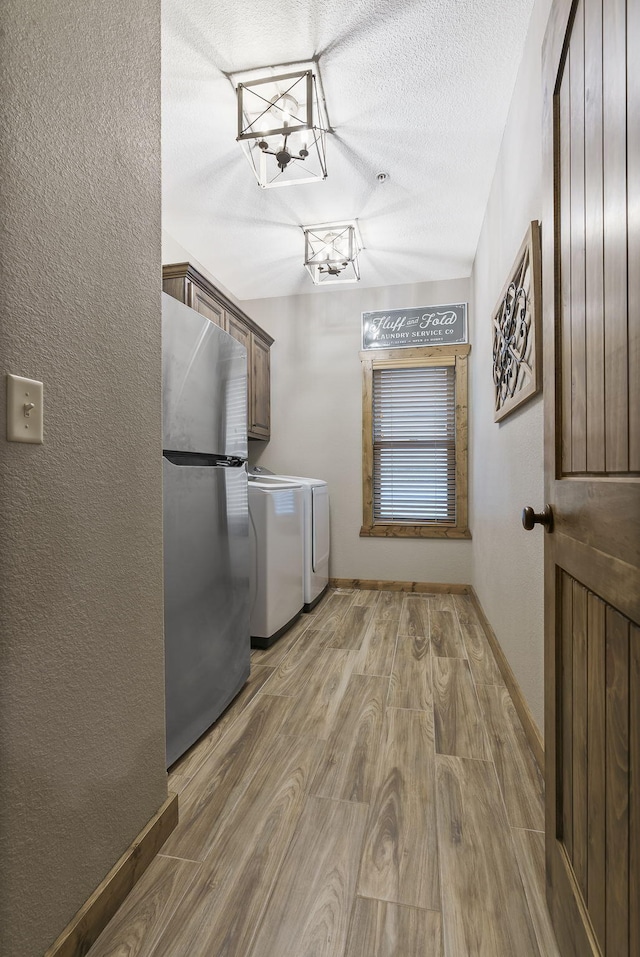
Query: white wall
(507, 459)
(316, 422)
(81, 622)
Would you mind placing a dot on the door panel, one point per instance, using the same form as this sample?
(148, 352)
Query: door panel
(592, 554)
(260, 420)
(206, 596)
(596, 695)
(204, 385)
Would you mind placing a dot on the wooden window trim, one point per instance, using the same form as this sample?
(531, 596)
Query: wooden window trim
(402, 358)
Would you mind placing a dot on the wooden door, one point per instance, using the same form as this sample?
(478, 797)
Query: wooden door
(591, 277)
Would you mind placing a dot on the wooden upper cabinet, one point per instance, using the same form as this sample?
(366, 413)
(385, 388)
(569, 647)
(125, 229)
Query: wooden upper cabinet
(185, 283)
(240, 331)
(206, 305)
(260, 392)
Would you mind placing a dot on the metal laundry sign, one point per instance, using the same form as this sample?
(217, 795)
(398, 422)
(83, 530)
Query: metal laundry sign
(419, 326)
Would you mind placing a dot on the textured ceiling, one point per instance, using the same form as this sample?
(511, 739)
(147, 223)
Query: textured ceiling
(418, 89)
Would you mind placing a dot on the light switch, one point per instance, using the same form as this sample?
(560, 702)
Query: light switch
(24, 410)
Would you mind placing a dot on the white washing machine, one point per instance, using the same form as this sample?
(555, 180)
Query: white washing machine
(276, 548)
(316, 532)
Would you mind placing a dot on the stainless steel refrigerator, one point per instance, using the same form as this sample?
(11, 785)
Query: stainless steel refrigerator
(206, 556)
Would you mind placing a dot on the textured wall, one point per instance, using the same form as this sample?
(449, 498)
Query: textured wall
(316, 422)
(81, 631)
(507, 459)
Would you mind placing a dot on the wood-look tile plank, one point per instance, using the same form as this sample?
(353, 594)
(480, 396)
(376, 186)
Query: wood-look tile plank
(308, 912)
(459, 728)
(400, 855)
(410, 676)
(314, 711)
(483, 906)
(224, 774)
(446, 638)
(140, 921)
(348, 767)
(442, 602)
(186, 766)
(378, 648)
(414, 617)
(329, 593)
(178, 782)
(365, 596)
(382, 929)
(530, 855)
(480, 656)
(274, 655)
(224, 906)
(295, 669)
(389, 605)
(463, 607)
(350, 633)
(519, 776)
(329, 616)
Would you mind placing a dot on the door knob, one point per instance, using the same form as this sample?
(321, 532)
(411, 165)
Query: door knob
(531, 518)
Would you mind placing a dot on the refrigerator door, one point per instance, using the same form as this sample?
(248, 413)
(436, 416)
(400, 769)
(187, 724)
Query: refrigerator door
(204, 384)
(206, 596)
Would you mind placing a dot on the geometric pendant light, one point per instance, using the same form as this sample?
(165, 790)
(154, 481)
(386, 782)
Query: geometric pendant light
(282, 127)
(331, 252)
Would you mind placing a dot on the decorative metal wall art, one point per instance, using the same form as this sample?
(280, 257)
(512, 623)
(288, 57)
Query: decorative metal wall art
(517, 334)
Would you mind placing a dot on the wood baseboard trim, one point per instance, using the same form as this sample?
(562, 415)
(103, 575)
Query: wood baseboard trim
(87, 925)
(418, 587)
(531, 729)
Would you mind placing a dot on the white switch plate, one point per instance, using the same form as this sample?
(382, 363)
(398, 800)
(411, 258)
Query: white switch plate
(24, 410)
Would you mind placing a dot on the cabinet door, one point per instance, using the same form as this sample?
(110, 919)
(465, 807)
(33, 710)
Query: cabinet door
(203, 303)
(239, 331)
(260, 409)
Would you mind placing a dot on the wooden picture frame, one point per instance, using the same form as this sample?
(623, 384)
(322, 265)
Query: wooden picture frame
(517, 330)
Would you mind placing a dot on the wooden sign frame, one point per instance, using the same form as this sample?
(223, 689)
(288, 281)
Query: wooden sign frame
(517, 330)
(415, 326)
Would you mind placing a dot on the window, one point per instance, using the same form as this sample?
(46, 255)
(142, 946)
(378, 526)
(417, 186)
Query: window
(415, 443)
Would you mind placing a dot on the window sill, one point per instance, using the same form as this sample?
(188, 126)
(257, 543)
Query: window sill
(414, 531)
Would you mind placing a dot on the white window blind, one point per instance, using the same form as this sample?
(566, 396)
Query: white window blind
(414, 454)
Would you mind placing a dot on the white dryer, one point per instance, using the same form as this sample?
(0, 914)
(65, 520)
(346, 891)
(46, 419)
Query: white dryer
(276, 548)
(316, 532)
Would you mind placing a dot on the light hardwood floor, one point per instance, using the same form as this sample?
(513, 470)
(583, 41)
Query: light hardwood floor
(370, 793)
